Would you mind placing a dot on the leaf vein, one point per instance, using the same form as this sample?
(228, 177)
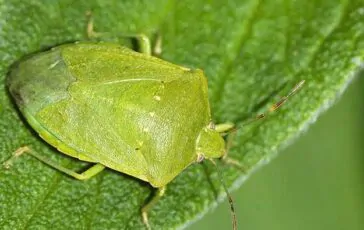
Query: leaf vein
(50, 189)
(245, 33)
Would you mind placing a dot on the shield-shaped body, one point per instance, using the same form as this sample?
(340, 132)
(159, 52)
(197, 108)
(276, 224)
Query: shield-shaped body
(107, 104)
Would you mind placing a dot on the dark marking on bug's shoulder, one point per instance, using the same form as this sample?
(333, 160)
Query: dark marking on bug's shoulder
(20, 100)
(40, 80)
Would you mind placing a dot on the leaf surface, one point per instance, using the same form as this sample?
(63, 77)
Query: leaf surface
(253, 53)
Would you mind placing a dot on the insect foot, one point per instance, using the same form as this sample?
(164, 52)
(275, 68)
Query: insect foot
(7, 164)
(159, 193)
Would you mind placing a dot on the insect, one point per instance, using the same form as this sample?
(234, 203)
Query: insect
(128, 111)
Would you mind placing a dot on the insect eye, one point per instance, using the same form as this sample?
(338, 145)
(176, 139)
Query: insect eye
(200, 158)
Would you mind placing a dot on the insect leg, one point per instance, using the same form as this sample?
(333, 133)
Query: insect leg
(157, 47)
(224, 127)
(160, 192)
(228, 160)
(142, 40)
(230, 130)
(95, 169)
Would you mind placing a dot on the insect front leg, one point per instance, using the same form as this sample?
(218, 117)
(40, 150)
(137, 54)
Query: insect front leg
(228, 160)
(95, 169)
(159, 193)
(230, 130)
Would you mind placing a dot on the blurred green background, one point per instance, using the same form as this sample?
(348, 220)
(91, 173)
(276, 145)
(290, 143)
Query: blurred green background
(315, 183)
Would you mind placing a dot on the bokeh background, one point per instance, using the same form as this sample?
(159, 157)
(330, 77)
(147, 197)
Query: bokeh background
(317, 183)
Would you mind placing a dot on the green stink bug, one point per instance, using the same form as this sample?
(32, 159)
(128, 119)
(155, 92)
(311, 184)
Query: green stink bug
(142, 116)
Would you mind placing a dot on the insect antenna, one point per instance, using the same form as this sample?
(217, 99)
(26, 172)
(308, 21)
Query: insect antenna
(232, 131)
(231, 202)
(285, 98)
(274, 107)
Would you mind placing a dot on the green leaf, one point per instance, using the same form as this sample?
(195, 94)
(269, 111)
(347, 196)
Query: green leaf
(253, 52)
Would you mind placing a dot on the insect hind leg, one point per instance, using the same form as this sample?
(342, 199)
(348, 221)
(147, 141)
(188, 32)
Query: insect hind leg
(92, 171)
(146, 208)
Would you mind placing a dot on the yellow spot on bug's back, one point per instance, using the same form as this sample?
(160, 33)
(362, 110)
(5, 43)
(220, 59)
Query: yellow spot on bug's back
(157, 98)
(152, 114)
(146, 130)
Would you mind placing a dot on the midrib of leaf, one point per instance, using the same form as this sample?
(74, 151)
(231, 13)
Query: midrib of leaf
(239, 41)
